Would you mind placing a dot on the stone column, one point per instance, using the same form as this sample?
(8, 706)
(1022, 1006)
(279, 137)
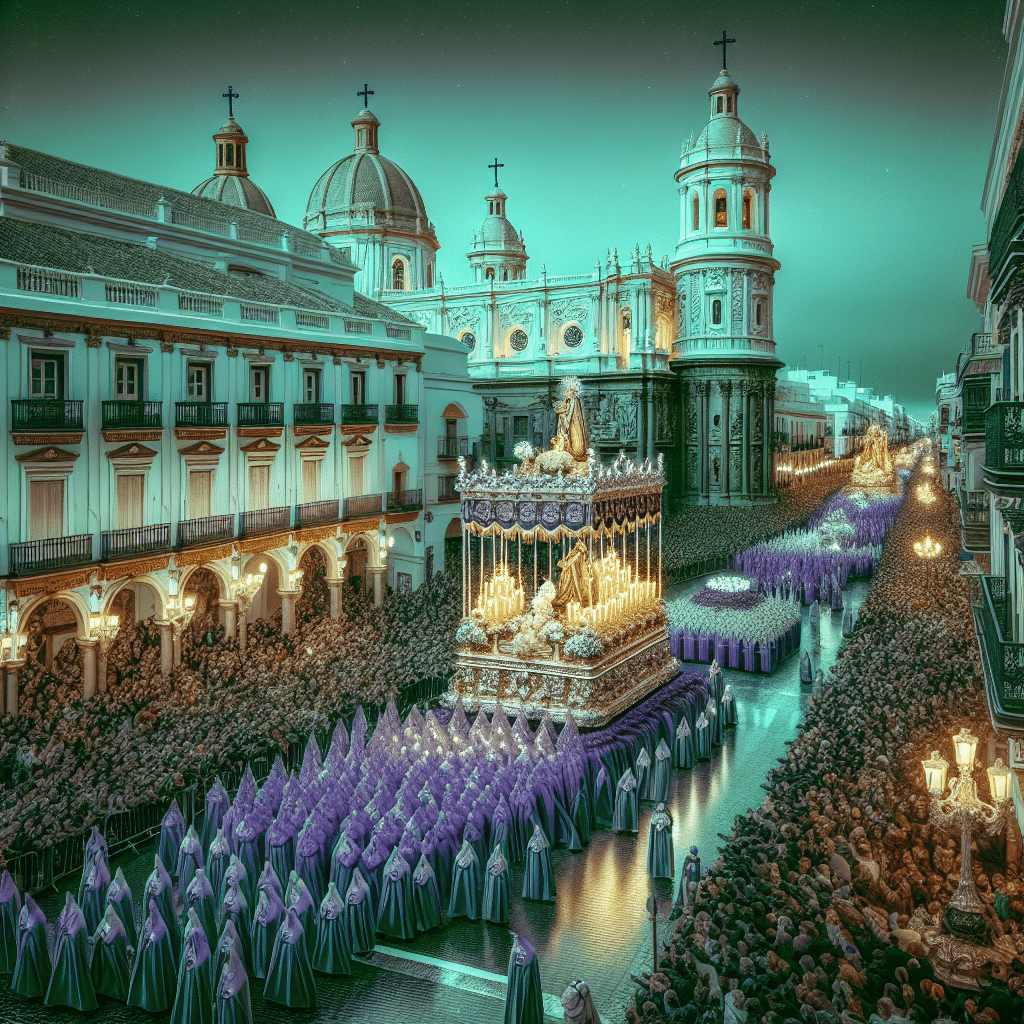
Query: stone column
(176, 645)
(704, 455)
(745, 454)
(166, 647)
(725, 389)
(288, 610)
(378, 584)
(88, 649)
(243, 631)
(767, 416)
(230, 618)
(337, 597)
(12, 689)
(102, 677)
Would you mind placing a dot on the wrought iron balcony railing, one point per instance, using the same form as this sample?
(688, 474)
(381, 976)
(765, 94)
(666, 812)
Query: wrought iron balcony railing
(126, 415)
(136, 540)
(1004, 437)
(205, 530)
(359, 413)
(51, 553)
(264, 520)
(201, 414)
(316, 512)
(401, 414)
(46, 414)
(1005, 658)
(1009, 219)
(446, 489)
(453, 447)
(405, 499)
(313, 414)
(363, 505)
(261, 414)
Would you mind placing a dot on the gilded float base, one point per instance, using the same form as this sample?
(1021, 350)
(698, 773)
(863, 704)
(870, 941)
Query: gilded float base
(963, 964)
(595, 693)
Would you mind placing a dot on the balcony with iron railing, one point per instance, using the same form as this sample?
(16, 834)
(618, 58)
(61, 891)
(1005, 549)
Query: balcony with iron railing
(201, 414)
(1007, 228)
(52, 553)
(453, 447)
(311, 512)
(261, 414)
(353, 414)
(207, 530)
(1002, 659)
(313, 414)
(264, 520)
(135, 540)
(362, 505)
(130, 415)
(1004, 448)
(404, 413)
(405, 500)
(46, 414)
(974, 515)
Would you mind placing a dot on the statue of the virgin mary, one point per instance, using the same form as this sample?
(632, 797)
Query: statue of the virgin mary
(571, 432)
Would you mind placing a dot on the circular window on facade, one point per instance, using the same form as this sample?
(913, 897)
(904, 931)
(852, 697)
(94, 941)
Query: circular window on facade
(518, 340)
(572, 336)
(468, 338)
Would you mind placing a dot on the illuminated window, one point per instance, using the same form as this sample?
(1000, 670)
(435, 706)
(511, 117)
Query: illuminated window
(398, 275)
(746, 210)
(721, 217)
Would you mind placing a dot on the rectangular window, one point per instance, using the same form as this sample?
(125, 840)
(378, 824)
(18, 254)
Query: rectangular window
(47, 375)
(358, 387)
(721, 220)
(129, 500)
(399, 389)
(46, 509)
(311, 386)
(259, 487)
(200, 484)
(746, 211)
(200, 382)
(259, 383)
(128, 379)
(520, 426)
(311, 479)
(451, 429)
(356, 483)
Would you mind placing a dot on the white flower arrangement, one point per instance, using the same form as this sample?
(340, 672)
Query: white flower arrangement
(524, 451)
(585, 645)
(471, 633)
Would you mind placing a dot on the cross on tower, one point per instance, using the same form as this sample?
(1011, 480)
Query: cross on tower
(495, 167)
(366, 93)
(229, 96)
(724, 44)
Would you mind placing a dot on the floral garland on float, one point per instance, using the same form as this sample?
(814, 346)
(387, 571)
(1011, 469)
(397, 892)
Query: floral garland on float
(562, 579)
(729, 620)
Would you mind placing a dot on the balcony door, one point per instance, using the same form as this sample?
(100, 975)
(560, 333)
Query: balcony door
(46, 509)
(259, 384)
(199, 486)
(355, 476)
(199, 382)
(400, 391)
(259, 487)
(128, 380)
(47, 375)
(311, 480)
(311, 386)
(358, 389)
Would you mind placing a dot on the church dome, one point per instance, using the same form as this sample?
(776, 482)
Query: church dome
(367, 186)
(497, 231)
(235, 191)
(725, 133)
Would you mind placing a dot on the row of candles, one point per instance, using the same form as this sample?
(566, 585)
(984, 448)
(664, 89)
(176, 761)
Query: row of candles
(501, 597)
(621, 594)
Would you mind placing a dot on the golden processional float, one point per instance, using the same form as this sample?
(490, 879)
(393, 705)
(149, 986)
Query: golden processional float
(562, 580)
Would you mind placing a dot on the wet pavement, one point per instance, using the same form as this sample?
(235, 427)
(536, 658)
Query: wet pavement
(597, 929)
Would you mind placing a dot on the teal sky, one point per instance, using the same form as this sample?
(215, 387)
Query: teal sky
(880, 116)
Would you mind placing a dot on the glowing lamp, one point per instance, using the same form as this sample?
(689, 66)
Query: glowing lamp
(94, 622)
(999, 781)
(966, 746)
(935, 769)
(263, 567)
(190, 602)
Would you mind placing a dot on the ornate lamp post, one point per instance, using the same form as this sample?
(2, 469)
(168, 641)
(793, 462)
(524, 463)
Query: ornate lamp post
(245, 589)
(12, 657)
(104, 628)
(963, 811)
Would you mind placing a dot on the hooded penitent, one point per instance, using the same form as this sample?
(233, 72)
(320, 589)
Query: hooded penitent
(270, 912)
(92, 896)
(172, 831)
(360, 920)
(627, 804)
(660, 854)
(232, 1004)
(426, 897)
(108, 963)
(524, 1001)
(190, 857)
(466, 884)
(32, 967)
(538, 877)
(495, 905)
(394, 918)
(200, 898)
(154, 973)
(70, 983)
(290, 975)
(194, 1001)
(10, 908)
(332, 953)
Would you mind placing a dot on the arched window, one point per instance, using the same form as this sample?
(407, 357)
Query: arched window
(504, 275)
(758, 315)
(746, 210)
(721, 217)
(468, 338)
(398, 275)
(716, 312)
(230, 152)
(627, 326)
(696, 213)
(489, 274)
(719, 107)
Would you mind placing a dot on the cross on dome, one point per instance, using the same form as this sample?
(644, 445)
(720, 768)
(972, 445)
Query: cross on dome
(495, 167)
(366, 92)
(724, 44)
(229, 96)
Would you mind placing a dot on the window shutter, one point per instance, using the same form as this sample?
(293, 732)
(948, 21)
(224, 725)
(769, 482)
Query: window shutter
(259, 487)
(129, 500)
(310, 480)
(199, 486)
(46, 509)
(355, 477)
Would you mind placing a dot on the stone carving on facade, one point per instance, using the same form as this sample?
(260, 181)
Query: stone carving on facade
(716, 464)
(614, 418)
(693, 468)
(691, 420)
(564, 310)
(665, 421)
(737, 301)
(424, 317)
(513, 313)
(695, 304)
(715, 283)
(463, 318)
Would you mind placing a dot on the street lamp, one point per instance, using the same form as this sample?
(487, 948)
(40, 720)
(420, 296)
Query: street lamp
(927, 548)
(104, 628)
(12, 642)
(963, 811)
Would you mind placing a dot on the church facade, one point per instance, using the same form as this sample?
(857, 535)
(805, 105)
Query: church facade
(676, 358)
